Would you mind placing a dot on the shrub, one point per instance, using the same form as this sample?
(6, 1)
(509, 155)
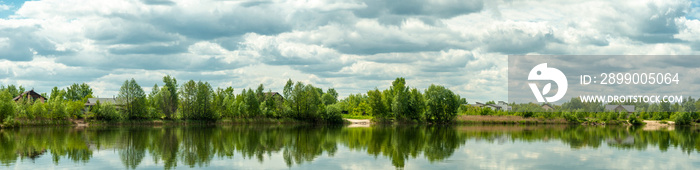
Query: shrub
(107, 112)
(612, 116)
(683, 118)
(634, 120)
(570, 117)
(487, 111)
(74, 108)
(441, 104)
(333, 114)
(525, 114)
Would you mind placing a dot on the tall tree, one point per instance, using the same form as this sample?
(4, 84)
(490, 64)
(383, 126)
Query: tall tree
(77, 92)
(288, 88)
(171, 103)
(132, 96)
(689, 105)
(330, 97)
(188, 92)
(196, 101)
(305, 102)
(376, 103)
(260, 92)
(204, 96)
(56, 94)
(154, 101)
(7, 108)
(332, 92)
(222, 100)
(252, 104)
(13, 90)
(164, 102)
(401, 97)
(416, 105)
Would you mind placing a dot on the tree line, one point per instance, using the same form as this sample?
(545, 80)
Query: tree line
(197, 100)
(400, 102)
(574, 110)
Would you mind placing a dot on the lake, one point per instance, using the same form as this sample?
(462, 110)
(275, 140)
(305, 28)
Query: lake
(338, 147)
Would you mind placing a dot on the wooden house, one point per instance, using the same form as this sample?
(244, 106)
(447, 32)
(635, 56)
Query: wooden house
(547, 107)
(620, 108)
(277, 96)
(30, 96)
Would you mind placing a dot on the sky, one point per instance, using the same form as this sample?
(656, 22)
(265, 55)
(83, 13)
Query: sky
(350, 45)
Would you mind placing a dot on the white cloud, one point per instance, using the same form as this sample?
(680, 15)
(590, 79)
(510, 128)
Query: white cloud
(352, 45)
(4, 7)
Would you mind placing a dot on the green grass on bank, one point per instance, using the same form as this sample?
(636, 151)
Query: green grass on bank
(348, 116)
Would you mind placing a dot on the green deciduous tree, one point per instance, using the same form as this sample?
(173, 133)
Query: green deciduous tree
(416, 105)
(376, 103)
(56, 104)
(196, 101)
(154, 102)
(132, 96)
(77, 92)
(330, 97)
(170, 100)
(14, 90)
(288, 87)
(222, 101)
(7, 107)
(400, 96)
(441, 104)
(252, 104)
(305, 102)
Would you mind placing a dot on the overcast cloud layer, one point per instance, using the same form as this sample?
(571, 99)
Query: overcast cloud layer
(351, 45)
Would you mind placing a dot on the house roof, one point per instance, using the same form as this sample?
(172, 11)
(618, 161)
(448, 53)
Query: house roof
(628, 108)
(543, 105)
(478, 104)
(272, 93)
(494, 106)
(30, 92)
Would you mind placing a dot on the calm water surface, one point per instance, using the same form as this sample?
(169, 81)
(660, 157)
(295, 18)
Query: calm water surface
(337, 147)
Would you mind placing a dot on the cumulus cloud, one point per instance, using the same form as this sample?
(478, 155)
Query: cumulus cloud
(352, 45)
(4, 7)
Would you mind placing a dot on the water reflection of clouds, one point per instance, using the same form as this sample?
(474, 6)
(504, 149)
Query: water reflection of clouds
(523, 155)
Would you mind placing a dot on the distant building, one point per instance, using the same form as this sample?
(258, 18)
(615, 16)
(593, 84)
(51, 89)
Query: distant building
(620, 108)
(504, 106)
(493, 106)
(277, 96)
(500, 106)
(477, 104)
(547, 107)
(30, 95)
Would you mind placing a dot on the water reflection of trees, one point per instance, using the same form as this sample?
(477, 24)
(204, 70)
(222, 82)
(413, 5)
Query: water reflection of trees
(402, 143)
(623, 137)
(197, 146)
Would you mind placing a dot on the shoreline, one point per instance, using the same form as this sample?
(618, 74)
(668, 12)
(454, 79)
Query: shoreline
(459, 120)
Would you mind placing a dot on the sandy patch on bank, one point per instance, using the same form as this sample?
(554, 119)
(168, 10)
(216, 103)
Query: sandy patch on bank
(359, 122)
(656, 125)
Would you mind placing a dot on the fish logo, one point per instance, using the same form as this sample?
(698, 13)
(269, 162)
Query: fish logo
(542, 72)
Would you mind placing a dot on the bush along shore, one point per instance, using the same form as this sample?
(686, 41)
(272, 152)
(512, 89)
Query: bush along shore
(198, 103)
